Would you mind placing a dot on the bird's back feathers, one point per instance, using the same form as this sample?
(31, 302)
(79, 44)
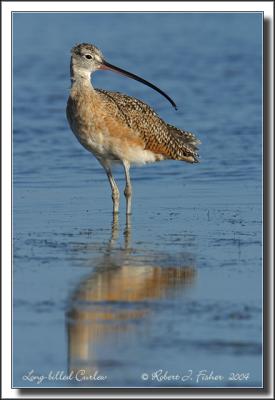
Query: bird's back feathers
(157, 135)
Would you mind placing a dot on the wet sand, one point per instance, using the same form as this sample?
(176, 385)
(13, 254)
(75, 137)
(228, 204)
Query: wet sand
(178, 288)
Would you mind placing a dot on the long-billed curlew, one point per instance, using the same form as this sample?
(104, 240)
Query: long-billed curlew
(119, 128)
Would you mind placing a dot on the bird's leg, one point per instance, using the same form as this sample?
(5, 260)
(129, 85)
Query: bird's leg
(115, 191)
(128, 187)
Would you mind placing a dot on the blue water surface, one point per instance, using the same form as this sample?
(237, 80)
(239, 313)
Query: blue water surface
(178, 289)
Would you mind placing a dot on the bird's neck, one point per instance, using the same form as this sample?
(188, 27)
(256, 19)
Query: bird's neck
(80, 77)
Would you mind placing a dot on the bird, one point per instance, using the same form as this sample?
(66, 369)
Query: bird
(117, 128)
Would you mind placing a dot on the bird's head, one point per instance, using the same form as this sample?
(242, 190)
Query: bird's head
(87, 58)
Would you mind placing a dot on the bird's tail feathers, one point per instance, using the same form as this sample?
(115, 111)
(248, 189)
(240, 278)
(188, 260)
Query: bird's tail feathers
(187, 144)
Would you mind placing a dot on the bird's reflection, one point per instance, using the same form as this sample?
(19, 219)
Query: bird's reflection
(116, 298)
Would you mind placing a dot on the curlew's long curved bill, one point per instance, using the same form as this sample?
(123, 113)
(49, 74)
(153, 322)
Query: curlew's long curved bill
(106, 65)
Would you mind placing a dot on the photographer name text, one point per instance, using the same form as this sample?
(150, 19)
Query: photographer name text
(201, 376)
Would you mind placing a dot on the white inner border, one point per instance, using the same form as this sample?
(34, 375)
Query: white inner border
(75, 6)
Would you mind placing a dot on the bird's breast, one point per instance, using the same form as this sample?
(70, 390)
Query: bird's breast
(83, 113)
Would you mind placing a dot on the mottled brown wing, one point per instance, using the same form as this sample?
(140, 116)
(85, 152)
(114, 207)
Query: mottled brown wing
(158, 136)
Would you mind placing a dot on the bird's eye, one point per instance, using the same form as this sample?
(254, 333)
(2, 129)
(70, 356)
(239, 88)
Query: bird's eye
(88, 56)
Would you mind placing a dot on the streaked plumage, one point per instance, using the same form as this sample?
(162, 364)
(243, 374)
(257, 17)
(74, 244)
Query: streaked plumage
(119, 128)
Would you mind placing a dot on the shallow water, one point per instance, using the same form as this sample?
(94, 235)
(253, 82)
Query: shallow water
(177, 288)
